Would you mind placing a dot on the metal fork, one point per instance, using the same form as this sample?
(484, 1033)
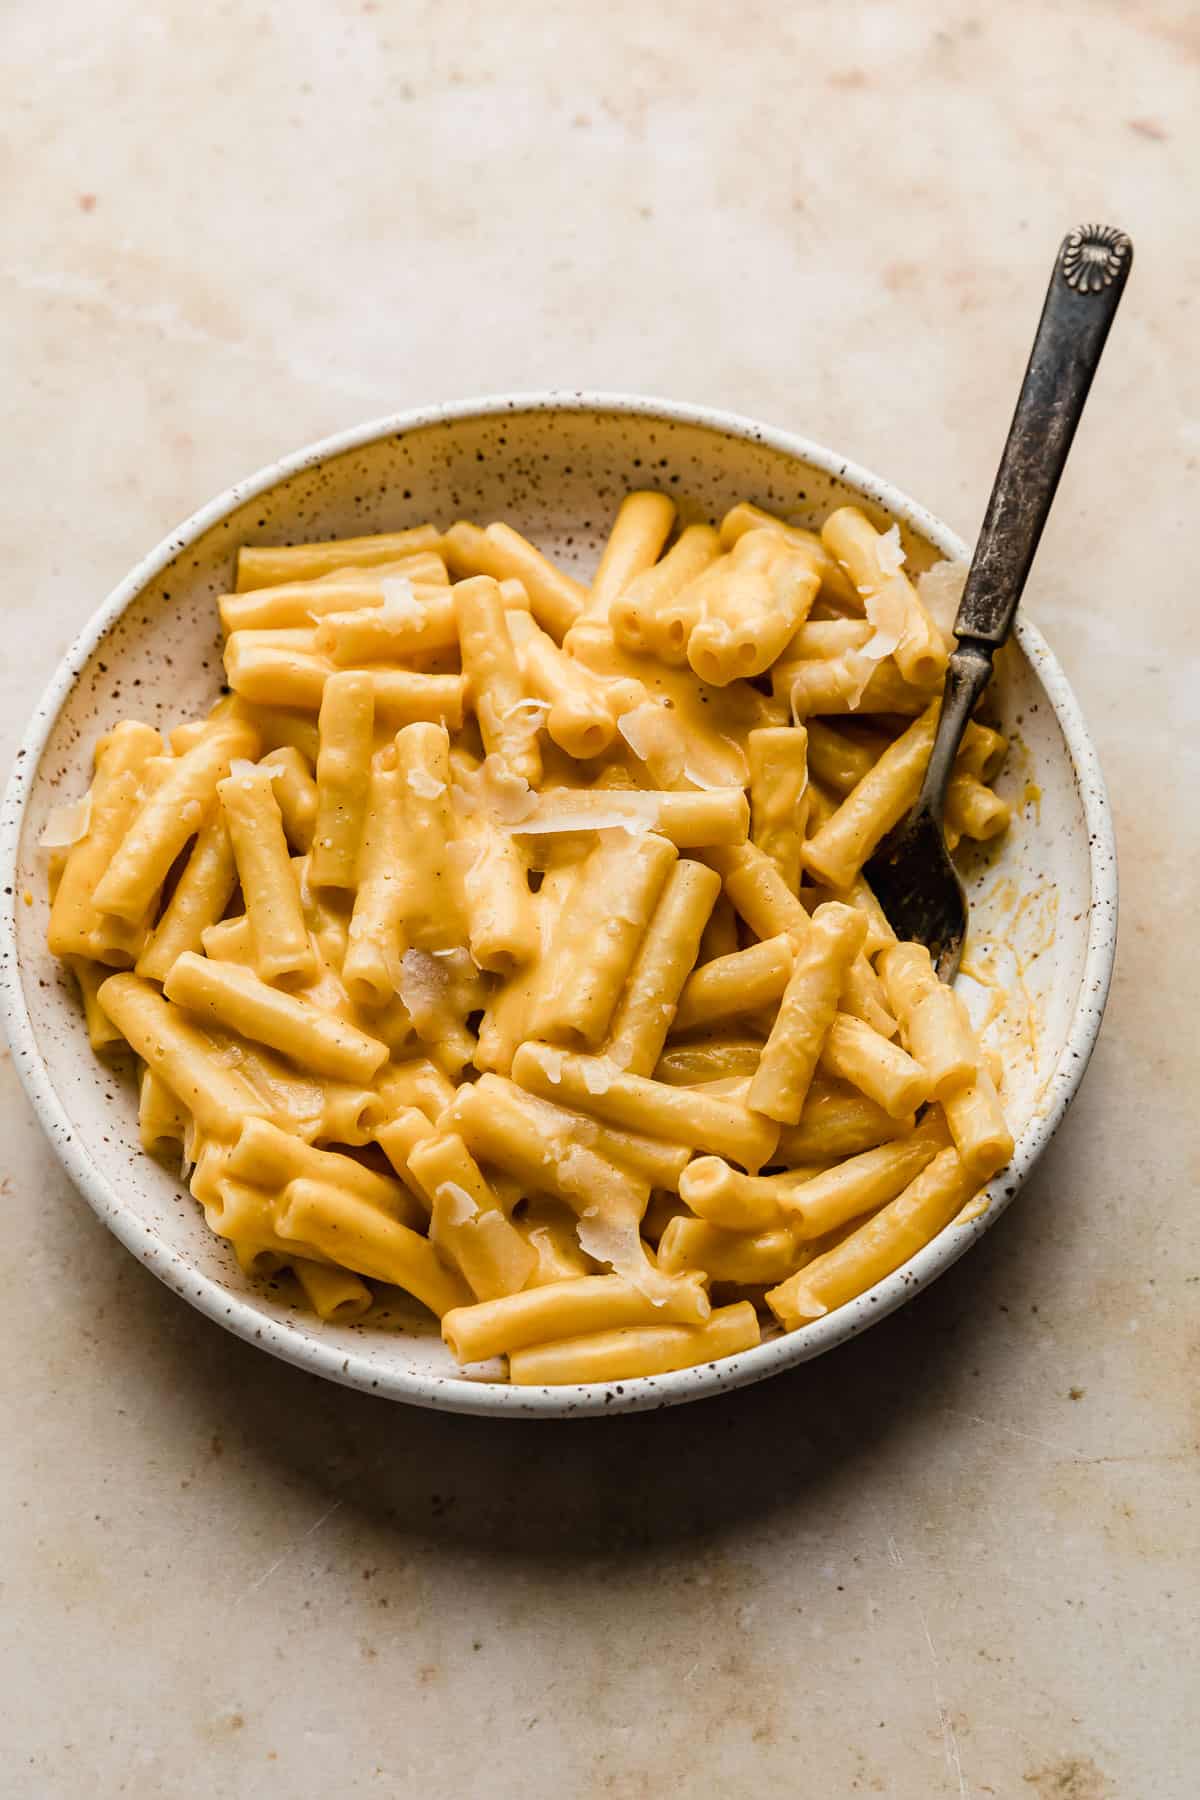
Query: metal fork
(911, 871)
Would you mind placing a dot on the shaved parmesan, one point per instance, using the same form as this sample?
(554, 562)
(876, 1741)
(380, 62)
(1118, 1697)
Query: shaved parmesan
(422, 986)
(941, 590)
(618, 1243)
(653, 737)
(191, 1141)
(551, 1061)
(423, 783)
(889, 552)
(492, 791)
(241, 768)
(457, 1205)
(534, 709)
(888, 619)
(598, 1075)
(400, 603)
(860, 667)
(508, 796)
(699, 781)
(625, 809)
(67, 824)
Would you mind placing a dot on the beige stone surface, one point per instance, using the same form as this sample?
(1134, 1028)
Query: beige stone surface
(957, 1558)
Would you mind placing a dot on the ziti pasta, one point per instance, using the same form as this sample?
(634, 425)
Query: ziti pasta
(505, 940)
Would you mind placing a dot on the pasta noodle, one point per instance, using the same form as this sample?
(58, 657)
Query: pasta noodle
(501, 938)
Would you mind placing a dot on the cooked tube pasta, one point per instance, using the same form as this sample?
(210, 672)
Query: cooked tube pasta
(982, 751)
(351, 1232)
(267, 567)
(891, 601)
(850, 683)
(901, 1228)
(815, 1207)
(431, 909)
(508, 730)
(270, 1158)
(335, 1295)
(288, 675)
(295, 604)
(90, 976)
(636, 1350)
(838, 760)
(255, 825)
(495, 930)
(973, 810)
(880, 800)
(163, 1124)
(806, 1013)
(201, 895)
(556, 598)
(295, 794)
(708, 1059)
(501, 923)
(725, 1196)
(884, 1072)
(977, 1125)
(834, 581)
(722, 1127)
(778, 757)
(640, 529)
(78, 927)
(634, 612)
(942, 1040)
(595, 942)
(372, 966)
(566, 1309)
(740, 1256)
(170, 815)
(469, 1226)
(691, 820)
(224, 994)
(753, 602)
(838, 1121)
(582, 709)
(668, 951)
(409, 622)
(504, 1126)
(181, 1055)
(733, 985)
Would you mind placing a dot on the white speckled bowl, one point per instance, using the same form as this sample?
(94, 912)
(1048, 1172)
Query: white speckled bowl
(1043, 908)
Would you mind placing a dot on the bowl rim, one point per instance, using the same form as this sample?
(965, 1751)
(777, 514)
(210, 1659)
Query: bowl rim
(499, 1399)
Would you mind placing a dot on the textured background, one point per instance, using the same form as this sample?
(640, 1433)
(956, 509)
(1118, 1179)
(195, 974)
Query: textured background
(957, 1558)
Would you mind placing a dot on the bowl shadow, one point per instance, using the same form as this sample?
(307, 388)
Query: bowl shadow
(571, 1491)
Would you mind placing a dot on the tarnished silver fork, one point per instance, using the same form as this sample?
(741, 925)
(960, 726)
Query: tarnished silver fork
(911, 871)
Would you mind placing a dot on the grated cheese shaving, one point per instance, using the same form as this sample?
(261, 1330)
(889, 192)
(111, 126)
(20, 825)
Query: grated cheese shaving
(422, 985)
(941, 590)
(67, 823)
(700, 781)
(618, 1243)
(240, 767)
(400, 603)
(889, 552)
(534, 709)
(598, 1075)
(886, 616)
(861, 667)
(624, 810)
(423, 783)
(649, 731)
(457, 1204)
